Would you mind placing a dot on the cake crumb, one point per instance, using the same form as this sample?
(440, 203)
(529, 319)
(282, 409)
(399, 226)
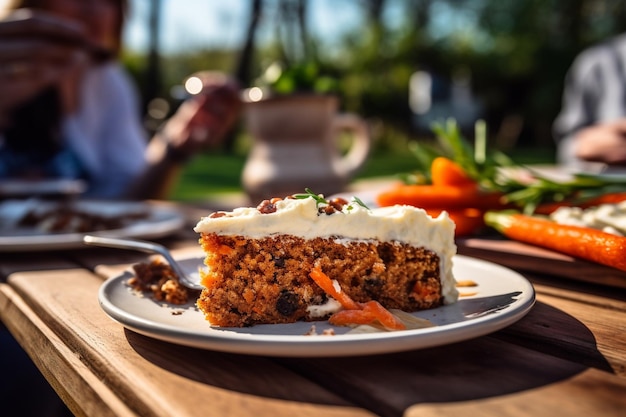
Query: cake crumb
(159, 280)
(313, 332)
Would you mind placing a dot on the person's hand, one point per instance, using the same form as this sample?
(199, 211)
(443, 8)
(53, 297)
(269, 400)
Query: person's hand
(604, 142)
(204, 120)
(36, 50)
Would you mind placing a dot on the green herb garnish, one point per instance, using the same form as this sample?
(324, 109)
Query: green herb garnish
(359, 202)
(310, 194)
(319, 199)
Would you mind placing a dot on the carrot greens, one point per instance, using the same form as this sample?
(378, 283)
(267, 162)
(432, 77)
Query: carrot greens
(495, 172)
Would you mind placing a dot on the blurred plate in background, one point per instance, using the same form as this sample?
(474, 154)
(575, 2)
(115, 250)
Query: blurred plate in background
(35, 225)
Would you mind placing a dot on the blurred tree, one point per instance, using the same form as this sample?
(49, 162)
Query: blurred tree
(243, 72)
(152, 79)
(291, 32)
(517, 52)
(531, 45)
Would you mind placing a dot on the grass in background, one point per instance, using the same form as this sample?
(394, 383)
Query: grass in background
(220, 172)
(210, 174)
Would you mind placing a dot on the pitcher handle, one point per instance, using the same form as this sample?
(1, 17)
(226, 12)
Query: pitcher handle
(356, 157)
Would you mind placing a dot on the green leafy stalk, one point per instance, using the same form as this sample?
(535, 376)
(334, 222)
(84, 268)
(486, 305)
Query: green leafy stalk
(359, 202)
(480, 142)
(486, 168)
(319, 199)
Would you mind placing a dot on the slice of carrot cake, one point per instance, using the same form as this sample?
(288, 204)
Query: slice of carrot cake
(259, 259)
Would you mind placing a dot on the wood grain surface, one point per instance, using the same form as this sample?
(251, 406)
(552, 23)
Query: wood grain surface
(569, 346)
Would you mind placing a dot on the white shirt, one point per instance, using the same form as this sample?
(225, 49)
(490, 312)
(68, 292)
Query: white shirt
(105, 132)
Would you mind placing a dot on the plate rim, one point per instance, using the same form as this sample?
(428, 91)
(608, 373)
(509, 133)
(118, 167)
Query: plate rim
(327, 346)
(152, 229)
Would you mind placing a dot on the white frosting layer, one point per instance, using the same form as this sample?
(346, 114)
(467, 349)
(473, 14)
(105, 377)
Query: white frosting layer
(300, 217)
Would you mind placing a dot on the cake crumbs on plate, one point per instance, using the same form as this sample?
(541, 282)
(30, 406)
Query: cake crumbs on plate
(159, 280)
(313, 332)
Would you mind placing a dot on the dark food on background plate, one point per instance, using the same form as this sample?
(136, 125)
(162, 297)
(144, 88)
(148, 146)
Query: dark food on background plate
(64, 218)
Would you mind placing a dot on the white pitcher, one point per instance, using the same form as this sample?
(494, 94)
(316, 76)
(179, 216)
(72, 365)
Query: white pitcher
(295, 146)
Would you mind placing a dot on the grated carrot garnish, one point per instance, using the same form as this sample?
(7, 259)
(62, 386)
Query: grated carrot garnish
(326, 284)
(355, 313)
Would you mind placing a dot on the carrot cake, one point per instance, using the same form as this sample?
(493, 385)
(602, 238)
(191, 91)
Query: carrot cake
(259, 259)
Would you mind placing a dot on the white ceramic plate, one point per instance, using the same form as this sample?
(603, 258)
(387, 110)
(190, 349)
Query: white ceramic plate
(160, 220)
(502, 297)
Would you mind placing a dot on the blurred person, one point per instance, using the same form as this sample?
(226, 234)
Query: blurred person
(591, 128)
(68, 109)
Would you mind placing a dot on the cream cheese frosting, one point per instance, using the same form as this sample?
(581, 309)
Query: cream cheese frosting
(300, 217)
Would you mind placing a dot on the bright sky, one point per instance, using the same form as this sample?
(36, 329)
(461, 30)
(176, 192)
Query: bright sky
(206, 23)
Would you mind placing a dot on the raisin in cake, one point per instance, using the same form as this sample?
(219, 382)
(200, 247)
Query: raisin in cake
(259, 259)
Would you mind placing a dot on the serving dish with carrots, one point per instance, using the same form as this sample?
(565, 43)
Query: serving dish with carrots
(470, 183)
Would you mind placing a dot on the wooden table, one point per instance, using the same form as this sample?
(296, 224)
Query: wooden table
(566, 357)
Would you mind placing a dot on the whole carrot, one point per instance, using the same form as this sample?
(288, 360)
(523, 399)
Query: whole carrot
(581, 242)
(443, 196)
(444, 171)
(608, 198)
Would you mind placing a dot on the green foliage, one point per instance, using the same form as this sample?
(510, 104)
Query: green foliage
(479, 162)
(302, 77)
(517, 52)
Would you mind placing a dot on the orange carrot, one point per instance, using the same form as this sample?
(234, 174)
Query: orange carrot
(547, 208)
(444, 171)
(354, 313)
(609, 198)
(468, 221)
(326, 284)
(581, 242)
(383, 315)
(349, 317)
(372, 311)
(443, 196)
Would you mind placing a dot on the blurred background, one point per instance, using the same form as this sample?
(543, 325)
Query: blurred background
(401, 64)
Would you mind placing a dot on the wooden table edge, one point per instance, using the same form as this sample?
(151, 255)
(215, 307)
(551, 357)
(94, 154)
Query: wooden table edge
(83, 391)
(80, 389)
